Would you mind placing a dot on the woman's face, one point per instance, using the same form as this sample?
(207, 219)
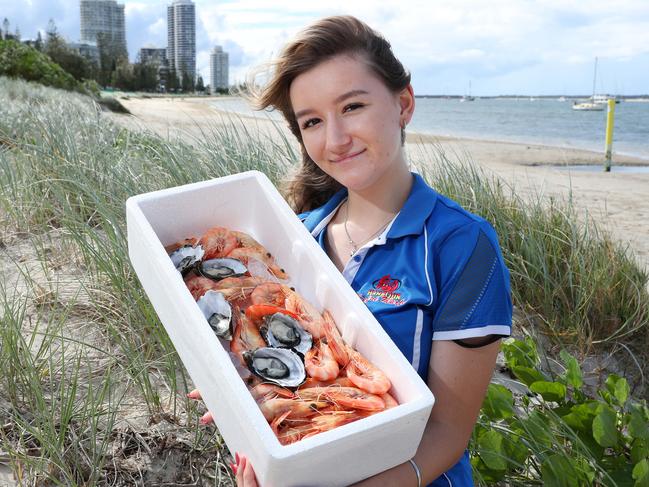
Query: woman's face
(350, 121)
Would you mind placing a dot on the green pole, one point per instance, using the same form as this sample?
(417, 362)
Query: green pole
(610, 119)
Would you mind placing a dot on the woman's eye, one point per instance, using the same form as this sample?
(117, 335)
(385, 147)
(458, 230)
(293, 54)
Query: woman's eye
(309, 123)
(352, 106)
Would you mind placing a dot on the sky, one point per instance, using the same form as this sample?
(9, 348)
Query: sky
(453, 47)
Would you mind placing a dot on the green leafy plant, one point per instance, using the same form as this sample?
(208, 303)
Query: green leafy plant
(555, 434)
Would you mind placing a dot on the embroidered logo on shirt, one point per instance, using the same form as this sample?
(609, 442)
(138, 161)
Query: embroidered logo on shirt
(384, 291)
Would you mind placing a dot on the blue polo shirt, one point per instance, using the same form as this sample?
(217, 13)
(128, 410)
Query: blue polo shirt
(435, 273)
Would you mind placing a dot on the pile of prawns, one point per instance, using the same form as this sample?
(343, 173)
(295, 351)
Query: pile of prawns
(341, 384)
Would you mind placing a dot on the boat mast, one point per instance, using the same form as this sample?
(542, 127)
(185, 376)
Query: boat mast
(594, 77)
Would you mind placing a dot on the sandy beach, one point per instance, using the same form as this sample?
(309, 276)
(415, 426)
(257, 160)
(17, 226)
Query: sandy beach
(618, 201)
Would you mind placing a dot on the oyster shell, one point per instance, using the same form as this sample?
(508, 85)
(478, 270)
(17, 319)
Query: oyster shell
(282, 331)
(218, 269)
(277, 365)
(217, 312)
(185, 257)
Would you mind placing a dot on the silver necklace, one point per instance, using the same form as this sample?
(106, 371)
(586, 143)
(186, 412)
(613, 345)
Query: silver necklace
(354, 246)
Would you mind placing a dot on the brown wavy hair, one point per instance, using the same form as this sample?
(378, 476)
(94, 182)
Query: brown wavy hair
(309, 187)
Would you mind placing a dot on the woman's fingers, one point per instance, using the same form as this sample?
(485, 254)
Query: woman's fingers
(245, 473)
(195, 394)
(207, 418)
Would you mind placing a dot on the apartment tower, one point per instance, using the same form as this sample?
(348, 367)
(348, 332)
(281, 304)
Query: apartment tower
(181, 38)
(104, 17)
(218, 69)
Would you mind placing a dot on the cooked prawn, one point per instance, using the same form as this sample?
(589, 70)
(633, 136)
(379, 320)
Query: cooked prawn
(338, 381)
(244, 254)
(390, 401)
(256, 312)
(331, 420)
(335, 341)
(307, 315)
(366, 375)
(269, 293)
(246, 336)
(320, 363)
(347, 397)
(264, 391)
(246, 241)
(299, 408)
(217, 242)
(238, 290)
(199, 285)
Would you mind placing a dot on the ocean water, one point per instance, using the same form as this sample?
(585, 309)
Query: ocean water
(537, 121)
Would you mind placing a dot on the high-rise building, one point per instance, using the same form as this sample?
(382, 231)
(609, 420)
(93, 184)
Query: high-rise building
(219, 67)
(153, 55)
(181, 38)
(103, 21)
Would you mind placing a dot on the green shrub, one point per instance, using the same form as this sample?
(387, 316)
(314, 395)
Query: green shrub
(556, 434)
(20, 61)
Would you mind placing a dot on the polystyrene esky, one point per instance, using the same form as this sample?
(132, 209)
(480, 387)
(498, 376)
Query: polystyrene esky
(249, 202)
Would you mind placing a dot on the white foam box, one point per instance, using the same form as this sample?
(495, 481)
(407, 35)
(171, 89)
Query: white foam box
(250, 203)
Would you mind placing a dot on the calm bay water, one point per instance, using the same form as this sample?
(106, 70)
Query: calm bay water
(541, 121)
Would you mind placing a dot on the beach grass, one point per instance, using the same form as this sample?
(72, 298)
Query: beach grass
(92, 391)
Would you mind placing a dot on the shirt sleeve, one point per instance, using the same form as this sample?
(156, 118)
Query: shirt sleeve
(474, 298)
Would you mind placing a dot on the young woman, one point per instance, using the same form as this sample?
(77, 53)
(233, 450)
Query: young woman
(347, 99)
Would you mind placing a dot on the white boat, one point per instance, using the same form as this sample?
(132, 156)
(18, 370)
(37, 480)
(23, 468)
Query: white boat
(562, 98)
(594, 103)
(468, 97)
(588, 106)
(603, 99)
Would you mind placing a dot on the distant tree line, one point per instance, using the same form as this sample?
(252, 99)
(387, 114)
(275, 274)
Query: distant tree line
(112, 69)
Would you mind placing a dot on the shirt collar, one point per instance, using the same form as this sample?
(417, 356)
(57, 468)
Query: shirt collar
(415, 211)
(315, 217)
(409, 221)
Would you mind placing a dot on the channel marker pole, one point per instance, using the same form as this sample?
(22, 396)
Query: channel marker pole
(610, 118)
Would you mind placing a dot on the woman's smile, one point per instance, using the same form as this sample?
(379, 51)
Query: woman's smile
(347, 157)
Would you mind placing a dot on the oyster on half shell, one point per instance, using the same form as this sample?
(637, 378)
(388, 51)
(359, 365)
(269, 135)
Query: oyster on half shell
(277, 365)
(282, 331)
(218, 269)
(185, 257)
(217, 312)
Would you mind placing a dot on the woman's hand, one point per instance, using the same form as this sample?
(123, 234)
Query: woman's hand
(207, 418)
(244, 473)
(242, 469)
